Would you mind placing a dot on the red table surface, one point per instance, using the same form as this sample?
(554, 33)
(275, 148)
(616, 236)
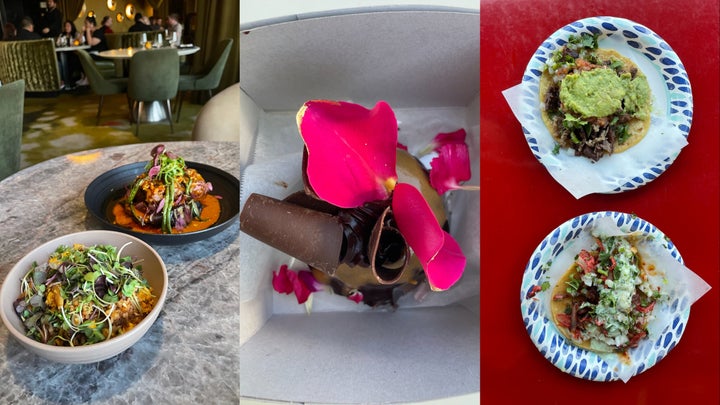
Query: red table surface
(521, 204)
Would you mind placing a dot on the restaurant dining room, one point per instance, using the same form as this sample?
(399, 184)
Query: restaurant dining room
(75, 59)
(119, 192)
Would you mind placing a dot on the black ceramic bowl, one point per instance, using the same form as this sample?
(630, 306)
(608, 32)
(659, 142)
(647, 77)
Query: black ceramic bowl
(106, 189)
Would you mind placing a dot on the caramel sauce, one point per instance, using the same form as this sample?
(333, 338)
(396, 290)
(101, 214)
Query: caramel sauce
(209, 215)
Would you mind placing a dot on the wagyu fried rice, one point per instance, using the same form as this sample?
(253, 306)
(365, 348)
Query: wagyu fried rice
(83, 295)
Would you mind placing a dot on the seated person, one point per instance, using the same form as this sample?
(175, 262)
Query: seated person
(68, 62)
(27, 30)
(141, 24)
(106, 26)
(94, 37)
(70, 33)
(156, 23)
(9, 32)
(175, 28)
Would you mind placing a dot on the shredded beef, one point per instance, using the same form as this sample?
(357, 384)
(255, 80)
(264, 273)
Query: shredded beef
(552, 99)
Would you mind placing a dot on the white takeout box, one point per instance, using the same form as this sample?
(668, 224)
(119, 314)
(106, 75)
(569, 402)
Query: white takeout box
(425, 64)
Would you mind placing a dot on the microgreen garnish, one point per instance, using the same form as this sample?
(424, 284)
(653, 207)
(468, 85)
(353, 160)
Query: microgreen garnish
(174, 191)
(83, 295)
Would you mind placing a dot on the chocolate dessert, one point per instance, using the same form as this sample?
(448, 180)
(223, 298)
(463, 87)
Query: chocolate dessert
(347, 248)
(369, 222)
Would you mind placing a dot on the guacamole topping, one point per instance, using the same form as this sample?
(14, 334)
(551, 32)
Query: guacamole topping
(637, 98)
(595, 101)
(594, 93)
(601, 92)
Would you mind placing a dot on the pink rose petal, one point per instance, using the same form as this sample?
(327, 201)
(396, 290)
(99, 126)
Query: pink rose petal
(455, 137)
(309, 280)
(450, 167)
(440, 255)
(281, 282)
(351, 151)
(356, 296)
(302, 292)
(302, 283)
(446, 268)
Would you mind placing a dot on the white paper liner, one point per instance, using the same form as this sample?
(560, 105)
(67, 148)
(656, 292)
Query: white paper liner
(276, 172)
(579, 175)
(677, 281)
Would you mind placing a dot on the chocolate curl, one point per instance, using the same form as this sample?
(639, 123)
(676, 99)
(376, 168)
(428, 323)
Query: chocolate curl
(369, 237)
(388, 251)
(304, 200)
(310, 236)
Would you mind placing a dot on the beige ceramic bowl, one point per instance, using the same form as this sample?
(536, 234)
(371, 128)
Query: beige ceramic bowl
(153, 270)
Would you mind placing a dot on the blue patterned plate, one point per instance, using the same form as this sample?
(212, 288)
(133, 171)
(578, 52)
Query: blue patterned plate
(672, 97)
(551, 343)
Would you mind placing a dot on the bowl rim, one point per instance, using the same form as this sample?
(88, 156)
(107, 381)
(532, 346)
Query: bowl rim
(98, 192)
(140, 328)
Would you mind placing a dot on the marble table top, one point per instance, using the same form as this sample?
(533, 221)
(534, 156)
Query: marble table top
(70, 48)
(190, 355)
(127, 53)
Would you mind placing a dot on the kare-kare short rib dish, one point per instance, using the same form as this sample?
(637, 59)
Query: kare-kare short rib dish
(168, 197)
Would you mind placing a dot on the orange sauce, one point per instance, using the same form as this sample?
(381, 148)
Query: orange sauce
(209, 215)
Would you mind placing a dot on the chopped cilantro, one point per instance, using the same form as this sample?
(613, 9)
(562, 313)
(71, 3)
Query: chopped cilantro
(589, 41)
(622, 133)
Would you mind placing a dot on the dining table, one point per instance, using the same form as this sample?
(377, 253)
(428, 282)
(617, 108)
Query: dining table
(127, 53)
(190, 354)
(153, 111)
(521, 203)
(62, 54)
(70, 48)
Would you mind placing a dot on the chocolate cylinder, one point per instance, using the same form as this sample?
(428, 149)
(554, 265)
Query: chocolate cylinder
(389, 253)
(310, 236)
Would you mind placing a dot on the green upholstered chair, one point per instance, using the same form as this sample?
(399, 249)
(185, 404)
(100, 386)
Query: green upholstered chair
(34, 61)
(114, 40)
(107, 68)
(153, 77)
(134, 39)
(117, 40)
(12, 102)
(209, 78)
(98, 83)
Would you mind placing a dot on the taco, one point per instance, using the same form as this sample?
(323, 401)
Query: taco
(606, 299)
(593, 100)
